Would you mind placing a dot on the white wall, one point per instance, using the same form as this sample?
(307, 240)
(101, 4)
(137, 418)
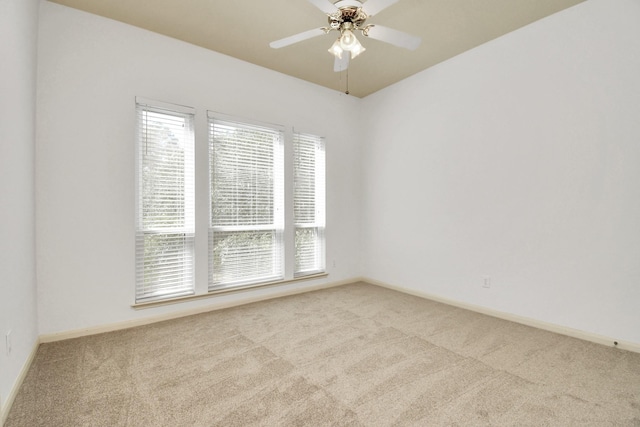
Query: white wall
(18, 36)
(519, 160)
(90, 71)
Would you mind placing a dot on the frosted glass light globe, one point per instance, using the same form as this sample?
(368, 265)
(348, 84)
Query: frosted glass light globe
(348, 40)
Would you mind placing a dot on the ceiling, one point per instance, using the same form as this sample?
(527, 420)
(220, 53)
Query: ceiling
(243, 29)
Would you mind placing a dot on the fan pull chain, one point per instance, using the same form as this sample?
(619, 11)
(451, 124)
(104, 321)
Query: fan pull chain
(347, 91)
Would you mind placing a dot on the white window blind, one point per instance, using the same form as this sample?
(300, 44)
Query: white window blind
(309, 203)
(246, 203)
(165, 202)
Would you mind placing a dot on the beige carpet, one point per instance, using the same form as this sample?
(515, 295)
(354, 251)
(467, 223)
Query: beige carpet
(352, 355)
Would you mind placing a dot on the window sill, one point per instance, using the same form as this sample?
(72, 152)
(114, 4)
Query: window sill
(176, 300)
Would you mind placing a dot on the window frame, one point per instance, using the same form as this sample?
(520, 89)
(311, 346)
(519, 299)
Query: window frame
(319, 202)
(198, 283)
(277, 226)
(183, 277)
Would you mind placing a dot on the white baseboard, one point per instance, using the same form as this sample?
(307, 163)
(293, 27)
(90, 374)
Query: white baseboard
(6, 405)
(551, 327)
(59, 336)
(563, 330)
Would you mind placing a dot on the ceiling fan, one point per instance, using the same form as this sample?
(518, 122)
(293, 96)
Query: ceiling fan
(347, 17)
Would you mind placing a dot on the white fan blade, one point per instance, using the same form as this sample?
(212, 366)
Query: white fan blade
(373, 7)
(324, 5)
(297, 38)
(394, 37)
(342, 64)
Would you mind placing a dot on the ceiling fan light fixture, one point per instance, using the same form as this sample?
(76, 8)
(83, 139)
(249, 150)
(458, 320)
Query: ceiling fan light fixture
(348, 40)
(357, 49)
(336, 50)
(348, 17)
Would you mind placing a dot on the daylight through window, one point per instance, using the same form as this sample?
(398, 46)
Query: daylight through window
(256, 234)
(308, 203)
(246, 164)
(165, 226)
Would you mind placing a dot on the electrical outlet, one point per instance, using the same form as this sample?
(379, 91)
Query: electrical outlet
(8, 342)
(487, 282)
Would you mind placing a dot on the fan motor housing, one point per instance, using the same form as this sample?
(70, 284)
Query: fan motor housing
(355, 16)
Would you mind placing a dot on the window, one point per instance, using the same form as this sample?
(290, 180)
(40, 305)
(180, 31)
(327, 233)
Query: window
(308, 204)
(165, 223)
(246, 166)
(257, 232)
